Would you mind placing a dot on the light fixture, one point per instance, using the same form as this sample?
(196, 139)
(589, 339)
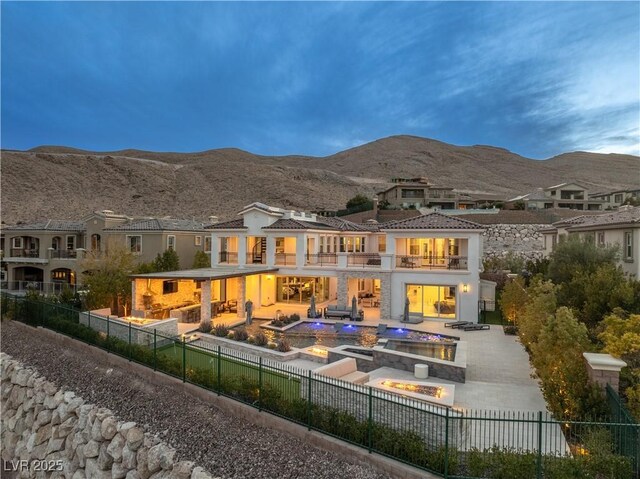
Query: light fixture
(465, 288)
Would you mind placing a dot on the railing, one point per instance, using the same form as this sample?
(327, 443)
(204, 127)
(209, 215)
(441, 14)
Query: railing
(625, 444)
(322, 259)
(63, 254)
(363, 260)
(447, 442)
(285, 259)
(40, 286)
(432, 262)
(24, 253)
(256, 258)
(229, 257)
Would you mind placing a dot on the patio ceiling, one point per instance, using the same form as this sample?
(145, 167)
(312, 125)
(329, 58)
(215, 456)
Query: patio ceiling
(203, 274)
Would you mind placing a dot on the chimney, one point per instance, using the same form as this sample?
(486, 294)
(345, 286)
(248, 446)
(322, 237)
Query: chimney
(213, 220)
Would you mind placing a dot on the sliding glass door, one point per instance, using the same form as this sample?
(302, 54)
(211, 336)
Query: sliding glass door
(432, 301)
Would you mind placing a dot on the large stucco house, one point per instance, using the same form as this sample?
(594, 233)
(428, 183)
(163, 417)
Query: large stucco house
(277, 257)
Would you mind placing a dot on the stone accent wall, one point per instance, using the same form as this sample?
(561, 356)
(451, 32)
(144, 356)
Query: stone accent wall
(521, 239)
(41, 422)
(385, 288)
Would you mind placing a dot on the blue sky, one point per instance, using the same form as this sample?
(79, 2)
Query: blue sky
(316, 78)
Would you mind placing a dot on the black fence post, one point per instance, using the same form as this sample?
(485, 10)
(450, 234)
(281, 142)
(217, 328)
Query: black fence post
(446, 444)
(539, 458)
(155, 357)
(219, 372)
(260, 383)
(370, 421)
(310, 379)
(130, 349)
(184, 360)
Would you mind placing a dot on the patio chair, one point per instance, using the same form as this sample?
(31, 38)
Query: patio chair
(475, 327)
(457, 324)
(381, 328)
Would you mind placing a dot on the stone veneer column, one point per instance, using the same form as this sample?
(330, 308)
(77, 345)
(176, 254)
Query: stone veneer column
(242, 288)
(205, 303)
(385, 296)
(604, 369)
(343, 289)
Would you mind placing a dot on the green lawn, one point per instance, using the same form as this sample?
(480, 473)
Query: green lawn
(289, 385)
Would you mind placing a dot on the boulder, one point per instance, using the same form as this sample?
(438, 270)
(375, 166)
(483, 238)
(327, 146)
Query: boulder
(135, 438)
(115, 447)
(109, 428)
(118, 471)
(105, 461)
(160, 457)
(182, 470)
(91, 449)
(128, 457)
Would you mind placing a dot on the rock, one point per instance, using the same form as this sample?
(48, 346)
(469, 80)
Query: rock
(94, 472)
(79, 474)
(200, 473)
(67, 427)
(142, 466)
(55, 444)
(182, 470)
(21, 377)
(115, 447)
(133, 475)
(128, 457)
(43, 434)
(160, 457)
(135, 438)
(105, 461)
(91, 449)
(42, 418)
(125, 426)
(53, 401)
(109, 428)
(118, 471)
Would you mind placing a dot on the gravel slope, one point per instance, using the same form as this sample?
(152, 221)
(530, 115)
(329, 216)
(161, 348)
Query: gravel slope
(226, 446)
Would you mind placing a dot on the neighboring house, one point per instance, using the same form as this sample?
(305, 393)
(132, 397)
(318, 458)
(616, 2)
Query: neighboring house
(418, 193)
(614, 199)
(565, 195)
(433, 259)
(46, 255)
(621, 227)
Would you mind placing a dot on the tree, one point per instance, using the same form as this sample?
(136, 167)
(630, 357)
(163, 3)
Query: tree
(106, 276)
(519, 205)
(513, 299)
(541, 304)
(621, 338)
(577, 256)
(201, 260)
(167, 261)
(557, 357)
(359, 201)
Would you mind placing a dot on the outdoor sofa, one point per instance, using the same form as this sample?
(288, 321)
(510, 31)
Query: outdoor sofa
(345, 369)
(335, 311)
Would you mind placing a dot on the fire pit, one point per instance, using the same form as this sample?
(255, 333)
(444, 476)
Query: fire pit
(441, 394)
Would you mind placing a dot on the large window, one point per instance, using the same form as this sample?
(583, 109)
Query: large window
(134, 243)
(628, 245)
(293, 289)
(17, 242)
(171, 243)
(432, 301)
(169, 286)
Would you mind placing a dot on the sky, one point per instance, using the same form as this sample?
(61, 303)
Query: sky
(315, 78)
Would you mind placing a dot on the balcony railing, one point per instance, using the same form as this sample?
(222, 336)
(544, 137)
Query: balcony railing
(322, 259)
(229, 257)
(64, 254)
(24, 253)
(46, 288)
(363, 260)
(256, 258)
(285, 259)
(432, 262)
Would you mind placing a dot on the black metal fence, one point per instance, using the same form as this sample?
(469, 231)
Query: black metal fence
(451, 443)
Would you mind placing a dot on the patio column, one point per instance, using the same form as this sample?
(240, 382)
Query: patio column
(385, 296)
(133, 295)
(242, 296)
(205, 305)
(271, 251)
(242, 255)
(301, 246)
(215, 250)
(386, 261)
(343, 290)
(342, 261)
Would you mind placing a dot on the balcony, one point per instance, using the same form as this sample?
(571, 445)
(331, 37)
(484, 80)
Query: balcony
(24, 253)
(432, 262)
(63, 254)
(363, 260)
(228, 257)
(322, 259)
(46, 288)
(285, 259)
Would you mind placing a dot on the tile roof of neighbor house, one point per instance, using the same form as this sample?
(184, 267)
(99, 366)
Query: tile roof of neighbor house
(623, 216)
(295, 224)
(383, 216)
(49, 225)
(160, 224)
(431, 221)
(530, 217)
(231, 225)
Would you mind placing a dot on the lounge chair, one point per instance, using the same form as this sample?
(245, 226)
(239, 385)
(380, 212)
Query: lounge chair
(381, 328)
(456, 324)
(475, 327)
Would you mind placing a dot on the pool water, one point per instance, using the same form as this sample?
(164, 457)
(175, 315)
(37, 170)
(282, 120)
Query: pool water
(329, 335)
(446, 352)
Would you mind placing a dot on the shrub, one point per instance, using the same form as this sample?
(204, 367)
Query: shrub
(283, 346)
(220, 330)
(277, 323)
(240, 334)
(272, 345)
(260, 339)
(294, 317)
(511, 330)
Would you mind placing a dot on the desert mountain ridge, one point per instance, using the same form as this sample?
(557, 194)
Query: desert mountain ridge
(65, 183)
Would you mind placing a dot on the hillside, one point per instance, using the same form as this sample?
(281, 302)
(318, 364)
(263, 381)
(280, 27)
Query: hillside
(61, 182)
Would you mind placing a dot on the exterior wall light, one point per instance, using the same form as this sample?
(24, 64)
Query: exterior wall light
(465, 288)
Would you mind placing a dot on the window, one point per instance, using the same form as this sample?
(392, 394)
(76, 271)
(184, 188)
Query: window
(628, 246)
(134, 243)
(95, 242)
(198, 240)
(169, 286)
(322, 240)
(618, 198)
(17, 242)
(171, 243)
(71, 242)
(414, 247)
(279, 245)
(382, 244)
(207, 243)
(600, 238)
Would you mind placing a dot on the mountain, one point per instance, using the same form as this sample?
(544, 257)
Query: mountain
(61, 182)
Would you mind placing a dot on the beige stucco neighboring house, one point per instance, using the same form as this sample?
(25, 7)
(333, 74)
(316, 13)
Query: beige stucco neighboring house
(565, 195)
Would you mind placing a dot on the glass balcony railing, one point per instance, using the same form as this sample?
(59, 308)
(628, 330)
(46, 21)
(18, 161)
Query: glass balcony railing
(432, 262)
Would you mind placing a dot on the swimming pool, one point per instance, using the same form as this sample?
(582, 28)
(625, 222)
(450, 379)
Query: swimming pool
(331, 335)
